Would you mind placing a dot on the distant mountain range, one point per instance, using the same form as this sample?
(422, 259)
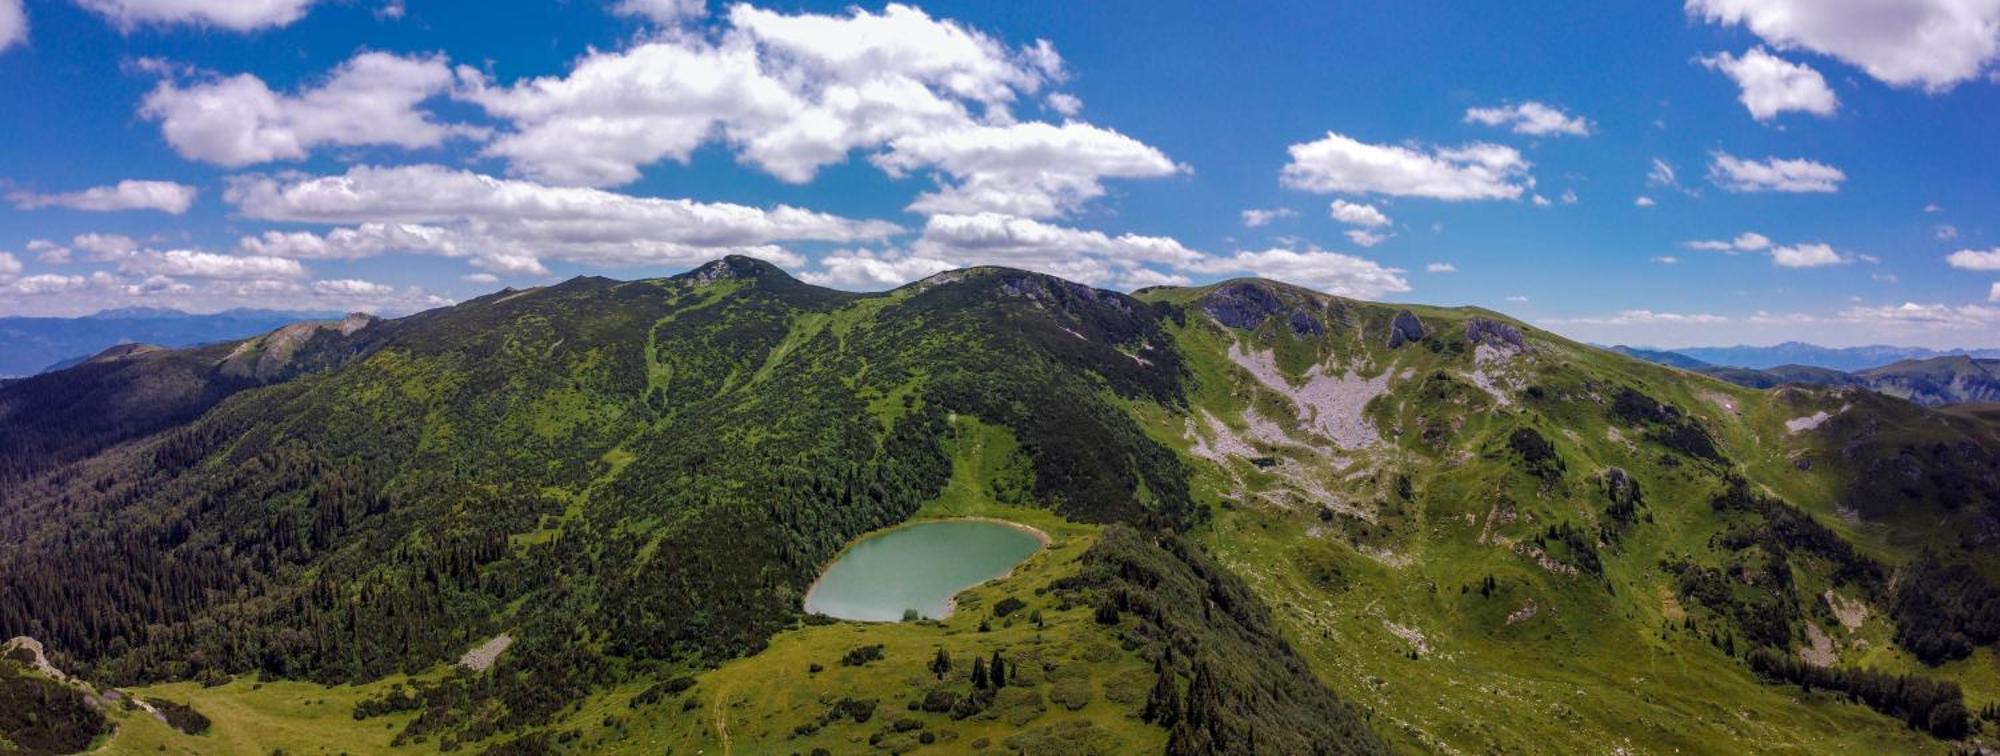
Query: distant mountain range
(1928, 377)
(1846, 359)
(32, 345)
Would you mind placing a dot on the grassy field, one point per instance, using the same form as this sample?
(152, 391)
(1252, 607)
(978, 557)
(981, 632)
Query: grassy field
(250, 717)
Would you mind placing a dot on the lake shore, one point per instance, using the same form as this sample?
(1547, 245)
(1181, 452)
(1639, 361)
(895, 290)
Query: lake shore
(951, 604)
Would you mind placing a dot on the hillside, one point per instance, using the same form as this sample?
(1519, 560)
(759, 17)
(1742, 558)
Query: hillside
(1934, 381)
(1283, 522)
(34, 345)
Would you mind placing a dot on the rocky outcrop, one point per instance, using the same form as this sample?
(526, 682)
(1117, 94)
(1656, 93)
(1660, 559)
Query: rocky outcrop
(1241, 305)
(1304, 324)
(1495, 334)
(1406, 328)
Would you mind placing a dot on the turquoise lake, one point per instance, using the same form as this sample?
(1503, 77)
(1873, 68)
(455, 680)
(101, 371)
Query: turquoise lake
(917, 567)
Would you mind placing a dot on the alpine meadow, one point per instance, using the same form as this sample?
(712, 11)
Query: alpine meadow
(662, 376)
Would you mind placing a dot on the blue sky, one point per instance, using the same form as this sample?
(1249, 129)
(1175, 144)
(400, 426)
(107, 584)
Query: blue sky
(1831, 162)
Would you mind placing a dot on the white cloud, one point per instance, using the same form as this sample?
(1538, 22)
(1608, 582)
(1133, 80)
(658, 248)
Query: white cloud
(1806, 256)
(1140, 278)
(866, 270)
(1667, 260)
(10, 267)
(1962, 317)
(1531, 118)
(49, 252)
(13, 24)
(1356, 214)
(1773, 85)
(371, 99)
(352, 287)
(165, 196)
(1972, 259)
(1331, 272)
(1643, 317)
(1994, 295)
(1934, 44)
(992, 238)
(1541, 201)
(183, 263)
(52, 283)
(790, 94)
(1064, 103)
(508, 224)
(1773, 175)
(234, 15)
(665, 12)
(1662, 174)
(480, 278)
(105, 247)
(1946, 232)
(1340, 164)
(1643, 201)
(1440, 268)
(1365, 238)
(1254, 218)
(1028, 169)
(1569, 197)
(1748, 241)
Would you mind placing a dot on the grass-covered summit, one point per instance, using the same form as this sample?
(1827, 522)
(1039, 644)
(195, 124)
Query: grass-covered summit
(1302, 523)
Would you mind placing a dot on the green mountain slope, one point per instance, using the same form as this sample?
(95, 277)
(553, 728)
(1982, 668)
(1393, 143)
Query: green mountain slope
(1286, 523)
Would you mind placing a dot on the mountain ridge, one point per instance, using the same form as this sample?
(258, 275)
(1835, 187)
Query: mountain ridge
(1377, 504)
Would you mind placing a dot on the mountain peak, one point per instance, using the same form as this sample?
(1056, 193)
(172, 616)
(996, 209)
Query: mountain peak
(733, 268)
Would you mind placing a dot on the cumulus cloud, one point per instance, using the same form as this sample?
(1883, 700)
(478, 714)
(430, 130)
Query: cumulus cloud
(1331, 272)
(506, 225)
(1341, 164)
(1748, 241)
(13, 24)
(791, 94)
(1972, 259)
(373, 98)
(1666, 260)
(1933, 44)
(1254, 217)
(868, 270)
(1994, 295)
(1773, 175)
(1356, 214)
(1806, 256)
(1532, 118)
(1064, 103)
(234, 15)
(183, 263)
(1773, 85)
(993, 238)
(1440, 268)
(1643, 201)
(10, 267)
(666, 12)
(1027, 169)
(165, 196)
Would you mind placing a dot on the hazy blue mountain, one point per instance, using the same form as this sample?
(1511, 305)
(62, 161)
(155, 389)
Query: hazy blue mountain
(1661, 357)
(33, 345)
(1812, 355)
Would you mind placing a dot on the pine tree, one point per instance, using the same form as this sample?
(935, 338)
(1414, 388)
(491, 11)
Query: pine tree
(978, 674)
(941, 664)
(1163, 705)
(996, 671)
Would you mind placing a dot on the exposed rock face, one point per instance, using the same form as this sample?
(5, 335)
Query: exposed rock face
(1406, 328)
(1304, 324)
(272, 356)
(1242, 305)
(1493, 333)
(1623, 489)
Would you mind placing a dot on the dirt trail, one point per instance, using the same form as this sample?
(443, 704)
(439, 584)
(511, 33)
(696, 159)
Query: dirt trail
(42, 665)
(719, 719)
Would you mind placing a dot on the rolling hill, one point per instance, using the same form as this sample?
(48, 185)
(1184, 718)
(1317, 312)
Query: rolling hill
(33, 345)
(1282, 522)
